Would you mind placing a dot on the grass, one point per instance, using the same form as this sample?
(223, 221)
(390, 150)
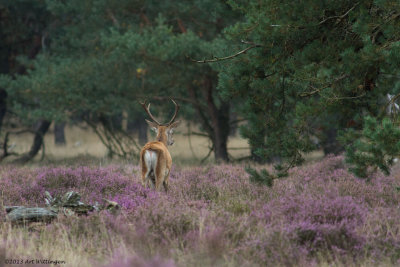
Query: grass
(212, 216)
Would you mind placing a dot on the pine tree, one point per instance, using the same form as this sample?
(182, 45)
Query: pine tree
(315, 69)
(102, 57)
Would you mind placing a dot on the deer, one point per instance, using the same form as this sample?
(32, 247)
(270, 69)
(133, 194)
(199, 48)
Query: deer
(155, 159)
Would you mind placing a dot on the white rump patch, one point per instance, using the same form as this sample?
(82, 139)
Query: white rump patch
(150, 159)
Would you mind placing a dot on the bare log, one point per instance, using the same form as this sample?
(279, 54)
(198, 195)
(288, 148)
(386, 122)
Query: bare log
(68, 204)
(22, 214)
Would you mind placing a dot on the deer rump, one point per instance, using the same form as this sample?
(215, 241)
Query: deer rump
(153, 168)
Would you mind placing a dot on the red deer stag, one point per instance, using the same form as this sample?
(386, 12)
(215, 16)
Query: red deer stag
(155, 159)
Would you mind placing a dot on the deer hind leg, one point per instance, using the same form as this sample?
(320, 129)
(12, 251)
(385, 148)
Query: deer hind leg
(160, 175)
(147, 176)
(159, 179)
(152, 179)
(166, 181)
(145, 172)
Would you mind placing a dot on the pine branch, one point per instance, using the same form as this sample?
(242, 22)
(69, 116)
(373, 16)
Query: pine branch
(161, 98)
(198, 134)
(234, 122)
(318, 90)
(216, 59)
(338, 17)
(208, 155)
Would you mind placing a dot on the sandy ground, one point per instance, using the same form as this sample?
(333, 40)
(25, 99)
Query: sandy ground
(83, 142)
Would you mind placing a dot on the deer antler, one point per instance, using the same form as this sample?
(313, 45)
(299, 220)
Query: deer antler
(176, 112)
(147, 109)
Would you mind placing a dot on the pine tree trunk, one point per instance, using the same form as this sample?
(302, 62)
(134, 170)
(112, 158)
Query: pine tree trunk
(331, 145)
(219, 122)
(59, 133)
(221, 131)
(214, 120)
(142, 132)
(3, 106)
(139, 127)
(234, 127)
(116, 121)
(40, 130)
(220, 150)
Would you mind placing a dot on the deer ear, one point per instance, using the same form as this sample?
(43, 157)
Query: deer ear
(153, 126)
(174, 125)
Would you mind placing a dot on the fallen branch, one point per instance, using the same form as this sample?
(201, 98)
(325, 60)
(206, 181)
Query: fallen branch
(69, 204)
(23, 214)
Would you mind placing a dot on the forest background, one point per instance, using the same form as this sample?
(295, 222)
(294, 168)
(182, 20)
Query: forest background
(294, 77)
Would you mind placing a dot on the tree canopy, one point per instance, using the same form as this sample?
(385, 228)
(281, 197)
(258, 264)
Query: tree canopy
(296, 72)
(319, 68)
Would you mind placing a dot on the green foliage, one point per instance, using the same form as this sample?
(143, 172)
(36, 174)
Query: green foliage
(103, 56)
(263, 177)
(377, 147)
(21, 26)
(99, 58)
(96, 59)
(313, 69)
(320, 67)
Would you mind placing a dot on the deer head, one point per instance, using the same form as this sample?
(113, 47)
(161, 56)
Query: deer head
(164, 131)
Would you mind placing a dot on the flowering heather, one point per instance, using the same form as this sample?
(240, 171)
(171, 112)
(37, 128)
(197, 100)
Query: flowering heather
(212, 216)
(121, 261)
(93, 184)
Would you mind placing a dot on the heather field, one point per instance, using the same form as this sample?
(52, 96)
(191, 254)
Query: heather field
(320, 215)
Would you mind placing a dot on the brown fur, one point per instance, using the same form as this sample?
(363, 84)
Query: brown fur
(164, 160)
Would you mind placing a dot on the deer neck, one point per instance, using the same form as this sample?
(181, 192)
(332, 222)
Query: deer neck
(162, 136)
